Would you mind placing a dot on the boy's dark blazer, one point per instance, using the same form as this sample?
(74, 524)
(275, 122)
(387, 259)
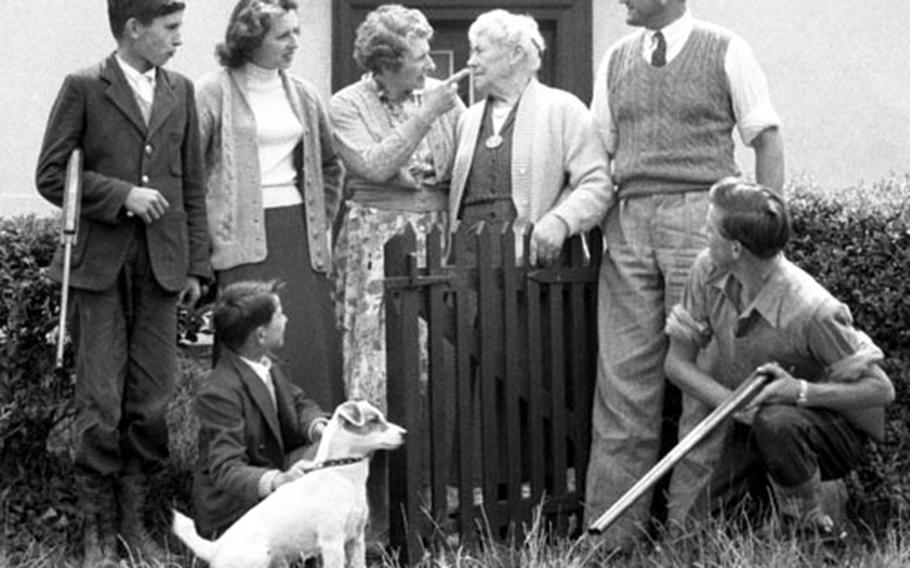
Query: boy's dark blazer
(241, 436)
(97, 111)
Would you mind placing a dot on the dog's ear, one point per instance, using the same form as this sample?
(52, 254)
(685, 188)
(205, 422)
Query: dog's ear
(350, 411)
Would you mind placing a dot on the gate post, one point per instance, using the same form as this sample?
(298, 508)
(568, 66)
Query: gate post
(404, 401)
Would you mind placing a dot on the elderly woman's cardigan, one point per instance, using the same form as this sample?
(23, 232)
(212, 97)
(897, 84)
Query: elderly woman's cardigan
(558, 161)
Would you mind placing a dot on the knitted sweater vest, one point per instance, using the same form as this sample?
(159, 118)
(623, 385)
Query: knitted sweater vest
(674, 123)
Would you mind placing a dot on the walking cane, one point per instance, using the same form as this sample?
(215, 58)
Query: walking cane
(737, 400)
(72, 197)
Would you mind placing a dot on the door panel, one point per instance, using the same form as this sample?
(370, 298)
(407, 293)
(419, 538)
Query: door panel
(564, 24)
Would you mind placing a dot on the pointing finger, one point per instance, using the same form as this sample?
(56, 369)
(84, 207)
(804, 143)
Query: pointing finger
(454, 78)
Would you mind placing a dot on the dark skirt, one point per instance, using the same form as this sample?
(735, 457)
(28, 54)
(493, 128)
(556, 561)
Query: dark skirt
(311, 356)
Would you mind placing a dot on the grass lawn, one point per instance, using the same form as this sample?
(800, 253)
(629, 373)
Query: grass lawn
(39, 516)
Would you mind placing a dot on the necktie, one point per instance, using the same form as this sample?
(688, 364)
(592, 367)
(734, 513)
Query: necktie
(659, 55)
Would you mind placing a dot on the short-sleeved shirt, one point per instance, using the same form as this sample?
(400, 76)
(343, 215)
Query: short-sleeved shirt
(793, 321)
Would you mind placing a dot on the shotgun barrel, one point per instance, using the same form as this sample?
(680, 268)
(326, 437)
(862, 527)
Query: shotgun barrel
(72, 200)
(752, 386)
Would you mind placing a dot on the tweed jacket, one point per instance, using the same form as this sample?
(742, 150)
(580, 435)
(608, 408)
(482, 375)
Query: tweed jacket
(97, 111)
(233, 178)
(559, 164)
(242, 436)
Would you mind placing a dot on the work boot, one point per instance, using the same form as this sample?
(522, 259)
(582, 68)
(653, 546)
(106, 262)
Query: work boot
(99, 539)
(800, 508)
(131, 497)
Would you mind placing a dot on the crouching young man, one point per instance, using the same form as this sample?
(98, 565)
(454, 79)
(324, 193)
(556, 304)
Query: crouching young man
(755, 311)
(253, 422)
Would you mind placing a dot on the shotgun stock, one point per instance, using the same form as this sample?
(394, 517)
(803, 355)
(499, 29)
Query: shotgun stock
(72, 201)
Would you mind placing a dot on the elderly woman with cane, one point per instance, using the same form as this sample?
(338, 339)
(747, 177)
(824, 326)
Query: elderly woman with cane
(527, 152)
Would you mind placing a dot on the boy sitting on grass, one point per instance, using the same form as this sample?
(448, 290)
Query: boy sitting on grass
(254, 423)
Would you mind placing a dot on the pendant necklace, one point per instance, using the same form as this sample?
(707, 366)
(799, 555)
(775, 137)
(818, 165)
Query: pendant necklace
(494, 141)
(499, 115)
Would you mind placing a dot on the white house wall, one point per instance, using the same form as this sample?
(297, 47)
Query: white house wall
(838, 74)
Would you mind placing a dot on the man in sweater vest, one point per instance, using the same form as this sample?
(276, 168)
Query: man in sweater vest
(666, 101)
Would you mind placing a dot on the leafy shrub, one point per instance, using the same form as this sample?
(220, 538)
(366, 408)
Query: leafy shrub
(36, 403)
(32, 397)
(856, 242)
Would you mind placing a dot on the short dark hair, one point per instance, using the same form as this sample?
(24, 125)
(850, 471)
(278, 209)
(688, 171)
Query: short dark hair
(241, 307)
(382, 38)
(119, 12)
(250, 21)
(752, 214)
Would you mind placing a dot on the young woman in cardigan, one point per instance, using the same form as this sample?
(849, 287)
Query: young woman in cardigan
(273, 184)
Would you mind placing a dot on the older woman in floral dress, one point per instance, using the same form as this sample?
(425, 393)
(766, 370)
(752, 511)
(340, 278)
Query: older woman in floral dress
(395, 132)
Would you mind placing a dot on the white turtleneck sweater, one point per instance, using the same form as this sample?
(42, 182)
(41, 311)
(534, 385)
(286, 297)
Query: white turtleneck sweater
(278, 131)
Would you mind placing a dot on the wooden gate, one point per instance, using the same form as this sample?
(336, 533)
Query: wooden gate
(491, 368)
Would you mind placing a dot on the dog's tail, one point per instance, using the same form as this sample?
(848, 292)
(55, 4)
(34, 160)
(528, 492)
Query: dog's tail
(185, 530)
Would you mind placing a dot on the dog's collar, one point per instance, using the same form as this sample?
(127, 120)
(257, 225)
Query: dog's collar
(332, 463)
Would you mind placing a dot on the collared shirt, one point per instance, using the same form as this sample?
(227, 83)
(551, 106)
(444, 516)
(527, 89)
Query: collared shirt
(143, 85)
(263, 370)
(793, 321)
(748, 86)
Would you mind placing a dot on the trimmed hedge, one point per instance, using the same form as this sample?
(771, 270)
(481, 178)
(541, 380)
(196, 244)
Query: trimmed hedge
(37, 500)
(32, 398)
(855, 242)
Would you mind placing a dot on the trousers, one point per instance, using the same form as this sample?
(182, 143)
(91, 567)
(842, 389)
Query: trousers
(786, 443)
(126, 364)
(652, 242)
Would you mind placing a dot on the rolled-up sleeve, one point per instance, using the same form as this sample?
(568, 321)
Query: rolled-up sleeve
(600, 105)
(688, 320)
(682, 326)
(749, 92)
(846, 351)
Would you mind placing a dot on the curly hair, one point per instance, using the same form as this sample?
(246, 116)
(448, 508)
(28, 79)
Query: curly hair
(382, 38)
(751, 214)
(508, 29)
(250, 22)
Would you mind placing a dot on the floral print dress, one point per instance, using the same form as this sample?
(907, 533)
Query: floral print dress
(358, 254)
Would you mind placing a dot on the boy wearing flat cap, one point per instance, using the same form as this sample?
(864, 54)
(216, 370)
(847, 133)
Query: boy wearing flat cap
(141, 249)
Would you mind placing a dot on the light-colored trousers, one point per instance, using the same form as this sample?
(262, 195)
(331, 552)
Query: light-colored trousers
(652, 242)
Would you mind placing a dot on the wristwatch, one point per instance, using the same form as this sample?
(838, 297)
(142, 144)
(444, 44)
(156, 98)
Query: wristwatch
(801, 399)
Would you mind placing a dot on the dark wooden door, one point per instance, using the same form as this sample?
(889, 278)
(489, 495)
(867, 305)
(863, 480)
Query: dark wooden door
(564, 24)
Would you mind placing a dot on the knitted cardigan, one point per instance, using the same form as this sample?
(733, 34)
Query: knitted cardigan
(373, 150)
(559, 165)
(233, 179)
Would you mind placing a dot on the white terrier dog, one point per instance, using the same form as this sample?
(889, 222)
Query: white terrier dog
(324, 512)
